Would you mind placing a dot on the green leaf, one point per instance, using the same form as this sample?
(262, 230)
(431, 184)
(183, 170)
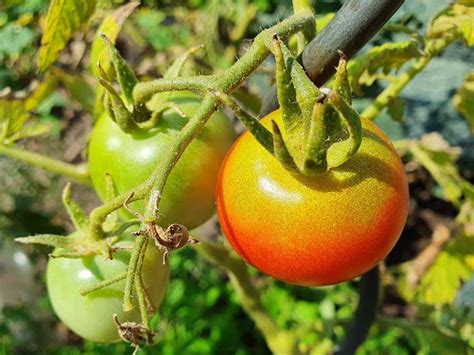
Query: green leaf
(396, 109)
(457, 20)
(435, 154)
(125, 75)
(385, 58)
(75, 212)
(323, 20)
(110, 26)
(64, 18)
(16, 119)
(453, 266)
(14, 40)
(464, 100)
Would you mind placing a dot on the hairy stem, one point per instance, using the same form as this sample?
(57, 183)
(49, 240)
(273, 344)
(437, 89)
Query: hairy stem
(393, 90)
(169, 160)
(80, 173)
(279, 341)
(133, 266)
(140, 289)
(105, 283)
(144, 91)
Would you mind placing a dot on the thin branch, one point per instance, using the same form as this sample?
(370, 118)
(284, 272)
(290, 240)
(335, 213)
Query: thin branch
(395, 88)
(441, 228)
(80, 173)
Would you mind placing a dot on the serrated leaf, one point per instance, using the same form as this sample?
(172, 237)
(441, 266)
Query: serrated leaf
(435, 154)
(64, 18)
(16, 119)
(457, 20)
(110, 26)
(125, 75)
(464, 100)
(453, 266)
(385, 58)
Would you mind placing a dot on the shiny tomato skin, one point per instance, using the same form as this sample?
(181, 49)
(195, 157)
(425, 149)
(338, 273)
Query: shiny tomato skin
(90, 316)
(313, 230)
(189, 194)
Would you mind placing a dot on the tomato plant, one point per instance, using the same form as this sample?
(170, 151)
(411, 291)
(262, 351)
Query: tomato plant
(313, 230)
(90, 316)
(130, 159)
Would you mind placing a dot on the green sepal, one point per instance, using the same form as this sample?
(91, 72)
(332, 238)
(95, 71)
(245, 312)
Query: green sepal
(110, 192)
(125, 75)
(75, 212)
(341, 81)
(76, 245)
(261, 134)
(175, 69)
(340, 152)
(160, 101)
(57, 241)
(117, 109)
(252, 124)
(315, 152)
(281, 151)
(297, 96)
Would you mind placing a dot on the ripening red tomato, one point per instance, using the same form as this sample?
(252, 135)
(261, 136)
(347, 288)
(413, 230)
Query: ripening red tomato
(313, 230)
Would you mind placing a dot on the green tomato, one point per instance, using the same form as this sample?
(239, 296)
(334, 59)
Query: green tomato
(90, 316)
(188, 197)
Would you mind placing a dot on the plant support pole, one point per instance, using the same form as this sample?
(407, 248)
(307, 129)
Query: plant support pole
(352, 27)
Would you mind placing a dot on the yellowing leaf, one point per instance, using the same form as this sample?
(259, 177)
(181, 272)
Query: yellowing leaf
(63, 19)
(16, 120)
(110, 26)
(387, 57)
(435, 154)
(457, 20)
(464, 100)
(453, 266)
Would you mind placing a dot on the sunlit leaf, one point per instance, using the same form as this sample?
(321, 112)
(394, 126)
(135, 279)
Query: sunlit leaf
(435, 154)
(464, 100)
(453, 266)
(385, 58)
(457, 20)
(110, 26)
(64, 18)
(16, 118)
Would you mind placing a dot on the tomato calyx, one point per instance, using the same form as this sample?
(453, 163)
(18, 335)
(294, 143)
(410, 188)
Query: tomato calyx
(176, 236)
(132, 116)
(133, 333)
(319, 129)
